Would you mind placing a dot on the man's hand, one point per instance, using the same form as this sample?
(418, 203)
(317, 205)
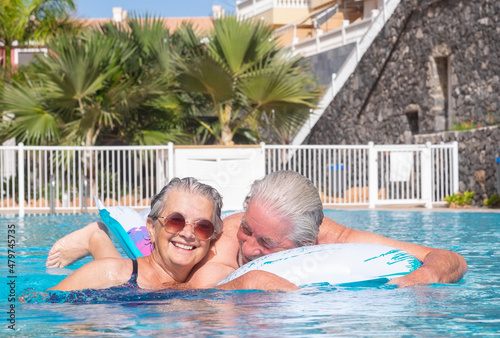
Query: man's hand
(439, 266)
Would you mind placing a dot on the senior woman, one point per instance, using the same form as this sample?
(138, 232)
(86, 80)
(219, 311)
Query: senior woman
(183, 222)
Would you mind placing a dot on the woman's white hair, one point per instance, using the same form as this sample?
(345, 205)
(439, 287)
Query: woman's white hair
(191, 185)
(293, 198)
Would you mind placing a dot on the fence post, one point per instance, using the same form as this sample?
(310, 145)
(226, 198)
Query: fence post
(357, 50)
(372, 175)
(85, 193)
(426, 174)
(52, 195)
(263, 150)
(171, 162)
(20, 175)
(456, 181)
(345, 23)
(384, 9)
(294, 39)
(334, 86)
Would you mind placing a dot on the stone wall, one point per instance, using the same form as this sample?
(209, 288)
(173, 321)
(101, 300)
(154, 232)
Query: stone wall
(477, 151)
(327, 63)
(435, 65)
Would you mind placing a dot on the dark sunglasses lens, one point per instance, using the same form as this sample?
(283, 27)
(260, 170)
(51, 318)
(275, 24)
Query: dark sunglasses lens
(175, 223)
(204, 229)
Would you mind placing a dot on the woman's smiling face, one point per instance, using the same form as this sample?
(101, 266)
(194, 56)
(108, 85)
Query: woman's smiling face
(182, 250)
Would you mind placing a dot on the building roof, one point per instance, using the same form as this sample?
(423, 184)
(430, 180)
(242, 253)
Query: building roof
(201, 24)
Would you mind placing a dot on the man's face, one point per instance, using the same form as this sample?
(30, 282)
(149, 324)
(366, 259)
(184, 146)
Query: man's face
(261, 234)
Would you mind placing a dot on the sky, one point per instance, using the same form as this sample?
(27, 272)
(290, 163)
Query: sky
(163, 8)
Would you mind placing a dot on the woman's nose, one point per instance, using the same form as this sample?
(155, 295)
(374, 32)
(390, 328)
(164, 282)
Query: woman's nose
(188, 230)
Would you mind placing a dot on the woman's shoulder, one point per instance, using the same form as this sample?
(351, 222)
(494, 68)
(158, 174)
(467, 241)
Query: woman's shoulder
(115, 269)
(111, 264)
(99, 274)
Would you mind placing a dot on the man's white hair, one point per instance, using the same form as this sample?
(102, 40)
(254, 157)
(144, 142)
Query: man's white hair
(293, 198)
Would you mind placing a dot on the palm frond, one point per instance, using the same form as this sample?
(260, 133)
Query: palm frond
(204, 75)
(32, 122)
(240, 43)
(279, 85)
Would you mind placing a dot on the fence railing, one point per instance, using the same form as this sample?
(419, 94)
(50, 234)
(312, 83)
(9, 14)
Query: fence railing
(250, 8)
(415, 173)
(65, 179)
(339, 172)
(347, 34)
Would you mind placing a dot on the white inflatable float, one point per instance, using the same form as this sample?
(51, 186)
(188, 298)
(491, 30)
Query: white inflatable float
(334, 264)
(330, 263)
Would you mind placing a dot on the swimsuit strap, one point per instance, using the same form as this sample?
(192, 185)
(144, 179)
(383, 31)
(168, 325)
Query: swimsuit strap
(132, 282)
(134, 267)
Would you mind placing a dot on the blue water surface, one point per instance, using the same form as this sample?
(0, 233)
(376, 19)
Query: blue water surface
(471, 307)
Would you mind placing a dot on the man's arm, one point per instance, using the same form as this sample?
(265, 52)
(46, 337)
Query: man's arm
(259, 280)
(208, 275)
(222, 260)
(439, 266)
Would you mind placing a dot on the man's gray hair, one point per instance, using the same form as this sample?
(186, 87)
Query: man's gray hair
(192, 185)
(293, 198)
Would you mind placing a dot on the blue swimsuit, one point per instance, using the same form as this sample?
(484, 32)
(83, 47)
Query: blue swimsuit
(132, 282)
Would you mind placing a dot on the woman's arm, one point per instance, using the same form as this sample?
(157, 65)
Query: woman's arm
(98, 274)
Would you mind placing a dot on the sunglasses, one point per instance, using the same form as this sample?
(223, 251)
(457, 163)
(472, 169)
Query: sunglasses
(175, 222)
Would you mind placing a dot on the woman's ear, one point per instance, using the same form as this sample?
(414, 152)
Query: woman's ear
(150, 225)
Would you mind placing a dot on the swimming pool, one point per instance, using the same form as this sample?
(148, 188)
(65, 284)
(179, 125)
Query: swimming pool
(471, 307)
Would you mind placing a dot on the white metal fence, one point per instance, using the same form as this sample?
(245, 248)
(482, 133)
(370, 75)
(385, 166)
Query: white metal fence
(339, 172)
(414, 173)
(65, 179)
(41, 179)
(250, 8)
(347, 34)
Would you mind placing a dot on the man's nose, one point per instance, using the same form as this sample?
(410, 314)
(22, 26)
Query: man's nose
(251, 248)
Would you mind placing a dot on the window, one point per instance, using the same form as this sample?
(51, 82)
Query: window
(412, 117)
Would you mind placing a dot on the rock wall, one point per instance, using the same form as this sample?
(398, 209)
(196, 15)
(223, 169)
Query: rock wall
(327, 63)
(477, 151)
(434, 66)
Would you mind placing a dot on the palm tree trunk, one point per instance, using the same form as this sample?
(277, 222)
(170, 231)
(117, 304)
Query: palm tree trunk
(226, 134)
(8, 62)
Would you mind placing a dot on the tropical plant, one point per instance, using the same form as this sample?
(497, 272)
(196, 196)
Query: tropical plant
(158, 120)
(102, 86)
(244, 75)
(465, 126)
(28, 21)
(459, 199)
(493, 201)
(68, 97)
(282, 128)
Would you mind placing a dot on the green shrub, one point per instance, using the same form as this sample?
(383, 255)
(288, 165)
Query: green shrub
(459, 199)
(465, 126)
(493, 201)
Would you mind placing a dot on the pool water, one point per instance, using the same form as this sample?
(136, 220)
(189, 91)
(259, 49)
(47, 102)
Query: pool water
(471, 307)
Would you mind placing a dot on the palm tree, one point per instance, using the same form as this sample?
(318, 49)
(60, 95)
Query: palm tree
(70, 84)
(244, 75)
(27, 21)
(110, 83)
